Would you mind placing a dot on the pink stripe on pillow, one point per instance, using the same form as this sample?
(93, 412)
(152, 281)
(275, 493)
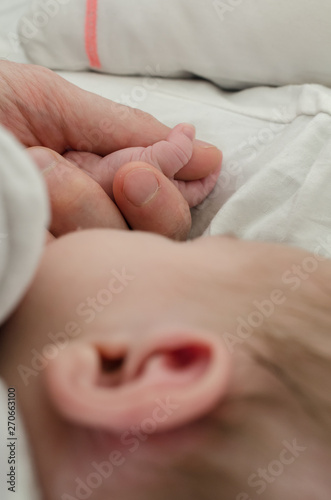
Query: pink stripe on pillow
(91, 43)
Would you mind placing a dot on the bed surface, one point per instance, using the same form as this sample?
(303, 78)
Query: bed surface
(275, 141)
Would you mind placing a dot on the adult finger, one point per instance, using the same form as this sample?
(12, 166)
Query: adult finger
(77, 201)
(43, 109)
(149, 201)
(169, 156)
(94, 124)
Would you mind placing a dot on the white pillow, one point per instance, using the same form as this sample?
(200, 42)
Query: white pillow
(234, 43)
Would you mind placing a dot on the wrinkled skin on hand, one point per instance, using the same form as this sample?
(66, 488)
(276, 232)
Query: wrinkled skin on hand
(43, 110)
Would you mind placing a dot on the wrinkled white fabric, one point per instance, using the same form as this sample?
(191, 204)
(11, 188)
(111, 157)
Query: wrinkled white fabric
(234, 43)
(23, 220)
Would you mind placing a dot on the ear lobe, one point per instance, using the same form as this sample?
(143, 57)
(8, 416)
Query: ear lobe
(98, 385)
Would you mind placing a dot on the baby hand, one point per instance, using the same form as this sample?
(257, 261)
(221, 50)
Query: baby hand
(87, 190)
(169, 156)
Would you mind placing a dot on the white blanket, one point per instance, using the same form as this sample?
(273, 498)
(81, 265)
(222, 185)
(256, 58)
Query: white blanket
(23, 220)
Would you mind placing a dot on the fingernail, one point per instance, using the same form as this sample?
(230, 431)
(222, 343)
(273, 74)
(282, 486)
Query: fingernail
(205, 145)
(140, 186)
(45, 160)
(189, 131)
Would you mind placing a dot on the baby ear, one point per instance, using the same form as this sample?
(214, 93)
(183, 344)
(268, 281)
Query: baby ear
(173, 378)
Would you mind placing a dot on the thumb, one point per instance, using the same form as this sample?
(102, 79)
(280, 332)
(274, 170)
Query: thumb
(149, 201)
(77, 201)
(97, 125)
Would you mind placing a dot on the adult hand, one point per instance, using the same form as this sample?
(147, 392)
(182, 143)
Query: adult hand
(133, 181)
(42, 109)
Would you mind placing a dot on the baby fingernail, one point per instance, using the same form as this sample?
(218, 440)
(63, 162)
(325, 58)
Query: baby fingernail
(140, 186)
(189, 131)
(204, 145)
(44, 158)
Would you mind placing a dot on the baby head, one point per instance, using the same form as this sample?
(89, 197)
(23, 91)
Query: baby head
(152, 369)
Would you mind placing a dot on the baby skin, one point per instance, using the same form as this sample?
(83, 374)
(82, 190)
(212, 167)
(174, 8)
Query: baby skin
(140, 176)
(146, 375)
